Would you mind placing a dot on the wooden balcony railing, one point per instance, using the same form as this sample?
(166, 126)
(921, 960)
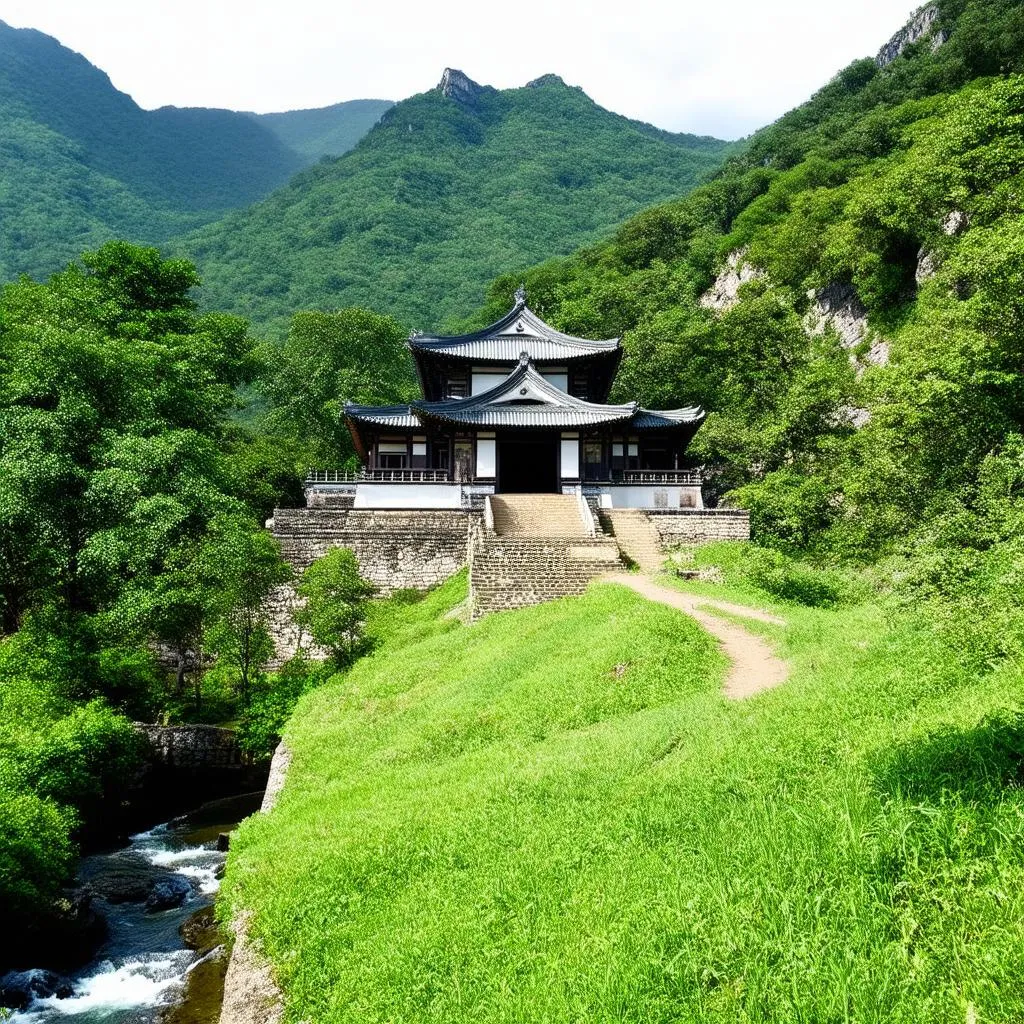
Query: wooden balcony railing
(381, 476)
(687, 477)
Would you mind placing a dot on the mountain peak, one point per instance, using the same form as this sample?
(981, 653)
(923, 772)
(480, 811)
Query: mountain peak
(459, 86)
(548, 79)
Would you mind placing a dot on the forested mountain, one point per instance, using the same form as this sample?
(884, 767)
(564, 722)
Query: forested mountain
(452, 187)
(845, 296)
(81, 162)
(325, 131)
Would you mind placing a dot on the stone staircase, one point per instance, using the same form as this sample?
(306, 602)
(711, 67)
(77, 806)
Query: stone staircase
(537, 515)
(636, 536)
(540, 549)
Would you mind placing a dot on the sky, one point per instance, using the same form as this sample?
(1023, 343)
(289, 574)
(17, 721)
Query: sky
(720, 69)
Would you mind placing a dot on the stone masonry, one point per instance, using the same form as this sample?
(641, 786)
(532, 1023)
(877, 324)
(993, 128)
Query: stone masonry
(514, 572)
(396, 549)
(699, 526)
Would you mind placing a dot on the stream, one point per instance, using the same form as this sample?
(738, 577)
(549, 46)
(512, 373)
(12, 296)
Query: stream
(141, 967)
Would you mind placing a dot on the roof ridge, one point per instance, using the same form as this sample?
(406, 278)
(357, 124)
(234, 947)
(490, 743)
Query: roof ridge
(520, 314)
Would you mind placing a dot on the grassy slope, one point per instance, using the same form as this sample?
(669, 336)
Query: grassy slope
(487, 823)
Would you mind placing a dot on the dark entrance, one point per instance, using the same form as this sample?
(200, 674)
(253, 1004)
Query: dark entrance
(528, 466)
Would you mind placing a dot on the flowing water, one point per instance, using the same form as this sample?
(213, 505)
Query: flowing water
(142, 966)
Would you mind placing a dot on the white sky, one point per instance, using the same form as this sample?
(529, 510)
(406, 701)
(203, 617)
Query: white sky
(689, 65)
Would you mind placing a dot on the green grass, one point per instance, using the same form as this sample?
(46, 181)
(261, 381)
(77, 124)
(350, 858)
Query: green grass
(553, 815)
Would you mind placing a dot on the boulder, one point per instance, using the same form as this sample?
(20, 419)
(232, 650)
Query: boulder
(129, 880)
(168, 893)
(19, 988)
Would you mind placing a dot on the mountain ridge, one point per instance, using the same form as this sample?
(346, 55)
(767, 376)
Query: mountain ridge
(82, 162)
(449, 186)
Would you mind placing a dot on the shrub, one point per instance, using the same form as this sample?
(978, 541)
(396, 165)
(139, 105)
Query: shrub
(84, 759)
(259, 729)
(36, 852)
(336, 597)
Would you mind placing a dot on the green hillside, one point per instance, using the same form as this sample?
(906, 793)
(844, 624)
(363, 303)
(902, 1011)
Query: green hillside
(895, 194)
(442, 195)
(325, 131)
(554, 815)
(81, 162)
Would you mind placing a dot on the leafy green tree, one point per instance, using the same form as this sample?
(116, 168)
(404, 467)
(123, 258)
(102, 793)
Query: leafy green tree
(352, 355)
(335, 602)
(246, 565)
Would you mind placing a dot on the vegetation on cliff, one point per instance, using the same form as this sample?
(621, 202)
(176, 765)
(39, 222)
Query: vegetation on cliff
(887, 205)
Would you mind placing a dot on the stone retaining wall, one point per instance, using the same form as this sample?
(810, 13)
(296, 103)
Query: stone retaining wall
(698, 526)
(190, 764)
(395, 549)
(192, 746)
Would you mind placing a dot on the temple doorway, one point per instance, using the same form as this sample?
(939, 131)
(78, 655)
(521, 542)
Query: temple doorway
(528, 466)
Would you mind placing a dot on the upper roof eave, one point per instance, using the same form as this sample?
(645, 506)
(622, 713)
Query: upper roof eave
(505, 330)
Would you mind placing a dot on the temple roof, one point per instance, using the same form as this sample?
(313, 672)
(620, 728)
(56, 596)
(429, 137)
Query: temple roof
(519, 330)
(524, 398)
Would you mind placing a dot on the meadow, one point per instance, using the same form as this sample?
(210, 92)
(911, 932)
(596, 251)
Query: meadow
(555, 815)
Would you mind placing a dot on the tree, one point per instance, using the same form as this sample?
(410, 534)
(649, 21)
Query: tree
(329, 358)
(246, 565)
(335, 607)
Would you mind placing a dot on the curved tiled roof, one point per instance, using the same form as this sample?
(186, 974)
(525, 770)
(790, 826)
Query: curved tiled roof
(401, 417)
(519, 330)
(667, 419)
(525, 398)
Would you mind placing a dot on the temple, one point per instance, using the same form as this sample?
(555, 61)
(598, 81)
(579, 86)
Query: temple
(518, 407)
(514, 465)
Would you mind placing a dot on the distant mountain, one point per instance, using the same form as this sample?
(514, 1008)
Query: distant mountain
(325, 131)
(449, 189)
(81, 162)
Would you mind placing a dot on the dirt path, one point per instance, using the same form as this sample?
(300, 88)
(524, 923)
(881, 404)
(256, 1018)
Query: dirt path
(755, 666)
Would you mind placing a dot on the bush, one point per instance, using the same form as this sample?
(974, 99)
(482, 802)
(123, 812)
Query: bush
(336, 598)
(781, 576)
(799, 582)
(84, 759)
(259, 729)
(36, 852)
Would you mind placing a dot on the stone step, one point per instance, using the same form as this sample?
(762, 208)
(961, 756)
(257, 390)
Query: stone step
(514, 571)
(537, 515)
(636, 536)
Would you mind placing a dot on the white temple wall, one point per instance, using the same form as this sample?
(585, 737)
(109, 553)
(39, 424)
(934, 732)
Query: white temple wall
(667, 496)
(371, 495)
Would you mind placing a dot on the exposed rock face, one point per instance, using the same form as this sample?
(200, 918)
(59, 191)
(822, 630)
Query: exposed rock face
(851, 416)
(724, 293)
(548, 79)
(954, 223)
(459, 87)
(927, 264)
(921, 25)
(838, 307)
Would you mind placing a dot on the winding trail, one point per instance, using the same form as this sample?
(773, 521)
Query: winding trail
(755, 666)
